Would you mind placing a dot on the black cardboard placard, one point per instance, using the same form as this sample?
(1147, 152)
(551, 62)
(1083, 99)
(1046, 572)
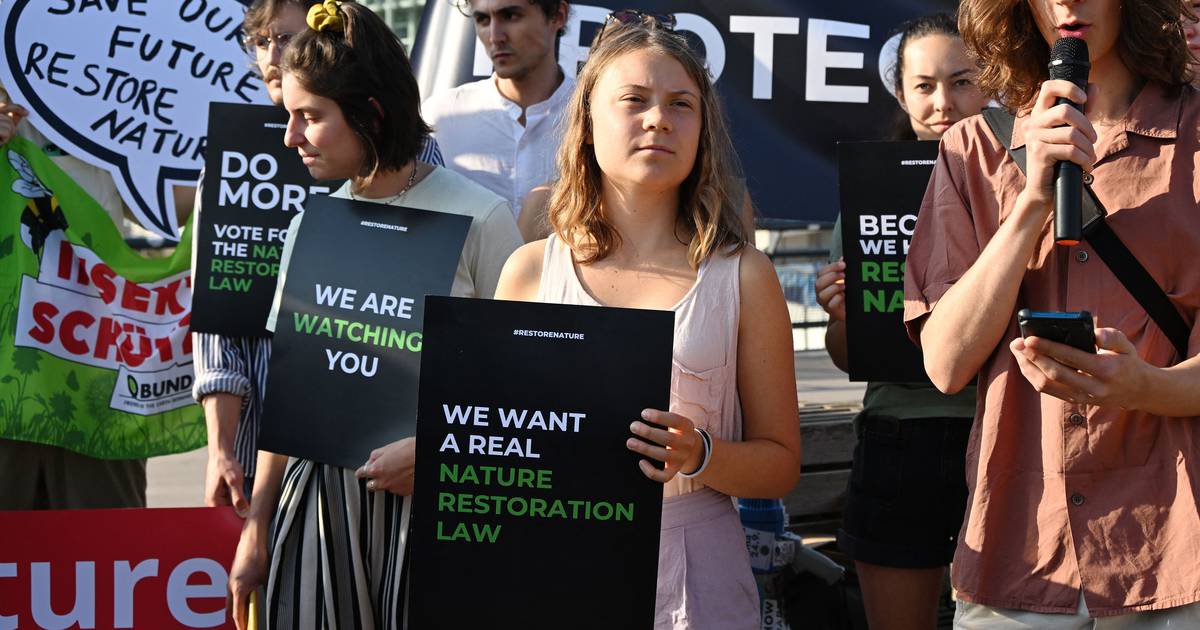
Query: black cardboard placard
(253, 186)
(550, 525)
(882, 185)
(347, 350)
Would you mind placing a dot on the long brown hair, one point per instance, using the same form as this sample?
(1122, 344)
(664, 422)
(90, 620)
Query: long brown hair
(1003, 36)
(363, 68)
(706, 207)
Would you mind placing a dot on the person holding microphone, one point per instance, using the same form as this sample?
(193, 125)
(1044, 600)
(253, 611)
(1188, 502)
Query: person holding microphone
(1081, 466)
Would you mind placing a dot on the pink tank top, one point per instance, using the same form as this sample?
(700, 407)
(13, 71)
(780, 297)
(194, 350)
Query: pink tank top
(704, 356)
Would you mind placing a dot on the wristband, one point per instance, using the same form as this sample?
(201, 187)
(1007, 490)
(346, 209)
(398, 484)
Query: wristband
(707, 439)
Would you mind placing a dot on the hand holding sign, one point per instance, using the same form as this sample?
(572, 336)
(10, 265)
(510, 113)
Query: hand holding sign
(126, 86)
(678, 446)
(391, 467)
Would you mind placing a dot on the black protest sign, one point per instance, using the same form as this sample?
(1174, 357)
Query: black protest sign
(253, 186)
(526, 493)
(882, 185)
(347, 348)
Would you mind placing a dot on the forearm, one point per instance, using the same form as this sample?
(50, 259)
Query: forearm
(757, 468)
(267, 479)
(222, 414)
(835, 344)
(1172, 391)
(970, 319)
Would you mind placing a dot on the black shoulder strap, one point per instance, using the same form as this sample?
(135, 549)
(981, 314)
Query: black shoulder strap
(1108, 246)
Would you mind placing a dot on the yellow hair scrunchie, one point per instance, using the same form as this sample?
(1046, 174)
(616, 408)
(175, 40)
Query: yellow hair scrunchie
(325, 16)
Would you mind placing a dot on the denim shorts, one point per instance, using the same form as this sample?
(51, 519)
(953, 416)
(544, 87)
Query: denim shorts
(907, 495)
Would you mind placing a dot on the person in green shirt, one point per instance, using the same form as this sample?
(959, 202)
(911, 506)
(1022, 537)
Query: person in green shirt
(907, 492)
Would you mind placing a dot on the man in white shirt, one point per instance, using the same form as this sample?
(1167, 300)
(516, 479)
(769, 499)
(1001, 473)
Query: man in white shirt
(503, 131)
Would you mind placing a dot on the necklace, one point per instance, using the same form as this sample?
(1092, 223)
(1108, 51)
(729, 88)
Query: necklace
(412, 179)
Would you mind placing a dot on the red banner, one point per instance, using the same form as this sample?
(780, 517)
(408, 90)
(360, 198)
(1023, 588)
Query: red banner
(151, 569)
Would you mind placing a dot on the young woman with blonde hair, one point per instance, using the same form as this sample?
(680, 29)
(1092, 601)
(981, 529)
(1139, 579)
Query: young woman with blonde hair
(643, 218)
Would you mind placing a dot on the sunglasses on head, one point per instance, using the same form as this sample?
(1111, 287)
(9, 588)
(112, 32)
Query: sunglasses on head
(633, 17)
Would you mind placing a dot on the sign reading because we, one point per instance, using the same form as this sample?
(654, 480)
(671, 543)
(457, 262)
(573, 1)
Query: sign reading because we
(523, 473)
(882, 185)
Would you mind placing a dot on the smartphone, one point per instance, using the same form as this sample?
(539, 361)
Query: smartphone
(1071, 328)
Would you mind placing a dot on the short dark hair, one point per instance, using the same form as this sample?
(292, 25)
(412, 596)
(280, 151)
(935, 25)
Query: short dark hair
(361, 63)
(548, 7)
(261, 12)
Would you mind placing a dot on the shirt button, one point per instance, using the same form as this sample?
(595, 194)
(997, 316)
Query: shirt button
(1081, 256)
(1077, 499)
(1088, 179)
(1077, 419)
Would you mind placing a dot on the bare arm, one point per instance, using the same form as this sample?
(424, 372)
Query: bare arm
(766, 463)
(831, 295)
(970, 319)
(224, 478)
(522, 274)
(252, 559)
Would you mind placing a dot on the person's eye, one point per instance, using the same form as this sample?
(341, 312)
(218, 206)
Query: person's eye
(481, 20)
(633, 98)
(283, 39)
(962, 83)
(923, 87)
(684, 104)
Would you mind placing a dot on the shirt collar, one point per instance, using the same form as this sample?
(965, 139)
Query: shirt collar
(1153, 114)
(557, 100)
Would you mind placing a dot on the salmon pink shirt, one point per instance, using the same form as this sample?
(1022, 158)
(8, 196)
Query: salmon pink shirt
(1067, 496)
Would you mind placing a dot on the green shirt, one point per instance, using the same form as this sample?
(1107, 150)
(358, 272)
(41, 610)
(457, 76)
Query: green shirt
(909, 400)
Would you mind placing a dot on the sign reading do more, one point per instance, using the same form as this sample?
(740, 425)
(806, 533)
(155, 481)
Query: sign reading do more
(125, 85)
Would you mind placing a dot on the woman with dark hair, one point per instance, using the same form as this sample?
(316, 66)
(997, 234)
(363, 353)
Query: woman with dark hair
(333, 555)
(645, 216)
(1082, 467)
(907, 492)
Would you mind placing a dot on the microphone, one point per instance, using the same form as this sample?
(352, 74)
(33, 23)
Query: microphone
(1069, 61)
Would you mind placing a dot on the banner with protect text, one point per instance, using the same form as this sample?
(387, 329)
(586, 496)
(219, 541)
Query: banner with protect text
(795, 78)
(95, 352)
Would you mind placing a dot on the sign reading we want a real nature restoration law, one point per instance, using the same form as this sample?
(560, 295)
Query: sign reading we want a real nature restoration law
(882, 185)
(526, 489)
(347, 349)
(253, 186)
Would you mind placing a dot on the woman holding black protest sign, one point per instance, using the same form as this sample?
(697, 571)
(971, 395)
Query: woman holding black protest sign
(907, 492)
(643, 217)
(333, 555)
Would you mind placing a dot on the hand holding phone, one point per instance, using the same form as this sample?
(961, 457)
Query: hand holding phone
(1070, 328)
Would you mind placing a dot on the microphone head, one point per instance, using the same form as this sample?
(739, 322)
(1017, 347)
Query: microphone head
(1069, 61)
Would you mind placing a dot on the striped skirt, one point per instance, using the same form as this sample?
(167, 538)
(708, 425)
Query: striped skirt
(337, 552)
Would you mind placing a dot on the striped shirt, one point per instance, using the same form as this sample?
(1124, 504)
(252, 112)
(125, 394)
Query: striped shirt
(238, 366)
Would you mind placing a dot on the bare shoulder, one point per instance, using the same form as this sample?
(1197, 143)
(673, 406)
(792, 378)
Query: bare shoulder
(757, 276)
(522, 274)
